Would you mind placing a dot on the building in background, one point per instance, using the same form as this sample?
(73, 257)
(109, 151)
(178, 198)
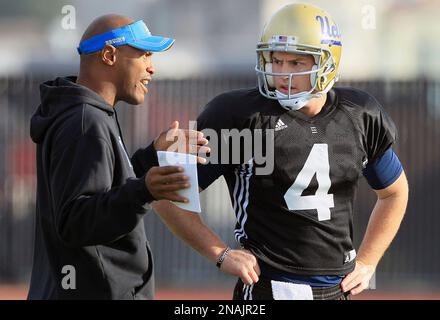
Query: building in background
(383, 39)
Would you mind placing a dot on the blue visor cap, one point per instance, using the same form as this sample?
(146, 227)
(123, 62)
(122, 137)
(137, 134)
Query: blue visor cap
(136, 35)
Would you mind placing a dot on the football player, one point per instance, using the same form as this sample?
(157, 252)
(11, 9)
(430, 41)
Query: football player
(295, 225)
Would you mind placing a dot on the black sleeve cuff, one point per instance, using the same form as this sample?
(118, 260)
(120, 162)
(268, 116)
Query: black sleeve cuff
(151, 155)
(141, 191)
(144, 159)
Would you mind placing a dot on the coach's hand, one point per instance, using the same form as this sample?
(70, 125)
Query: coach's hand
(183, 141)
(242, 263)
(359, 279)
(163, 182)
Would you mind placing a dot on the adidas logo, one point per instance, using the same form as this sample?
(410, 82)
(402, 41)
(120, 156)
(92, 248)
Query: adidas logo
(280, 125)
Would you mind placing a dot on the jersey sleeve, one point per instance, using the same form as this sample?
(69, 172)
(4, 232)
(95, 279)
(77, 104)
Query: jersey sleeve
(380, 130)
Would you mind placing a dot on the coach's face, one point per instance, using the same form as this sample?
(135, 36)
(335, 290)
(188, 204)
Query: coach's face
(283, 62)
(135, 70)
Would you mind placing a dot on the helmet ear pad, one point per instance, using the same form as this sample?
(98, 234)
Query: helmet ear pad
(269, 78)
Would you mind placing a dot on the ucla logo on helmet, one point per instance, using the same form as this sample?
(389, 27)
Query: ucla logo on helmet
(330, 33)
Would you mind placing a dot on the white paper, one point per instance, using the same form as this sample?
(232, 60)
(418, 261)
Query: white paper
(189, 163)
(291, 291)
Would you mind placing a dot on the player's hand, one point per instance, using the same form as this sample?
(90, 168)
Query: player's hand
(163, 182)
(359, 279)
(184, 141)
(242, 263)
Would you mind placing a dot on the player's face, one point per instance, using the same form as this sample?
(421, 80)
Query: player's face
(283, 62)
(136, 72)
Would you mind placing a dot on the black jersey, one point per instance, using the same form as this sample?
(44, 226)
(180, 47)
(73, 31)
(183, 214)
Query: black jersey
(299, 218)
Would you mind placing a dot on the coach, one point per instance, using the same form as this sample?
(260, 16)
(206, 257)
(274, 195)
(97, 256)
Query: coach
(90, 240)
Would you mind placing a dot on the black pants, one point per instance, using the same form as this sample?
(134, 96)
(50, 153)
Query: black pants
(262, 290)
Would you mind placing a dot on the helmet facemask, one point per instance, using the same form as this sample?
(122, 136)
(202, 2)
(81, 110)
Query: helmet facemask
(324, 65)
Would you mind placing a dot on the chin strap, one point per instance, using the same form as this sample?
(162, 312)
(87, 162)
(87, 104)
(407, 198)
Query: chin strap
(296, 103)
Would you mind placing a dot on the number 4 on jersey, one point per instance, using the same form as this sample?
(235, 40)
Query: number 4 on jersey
(317, 162)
